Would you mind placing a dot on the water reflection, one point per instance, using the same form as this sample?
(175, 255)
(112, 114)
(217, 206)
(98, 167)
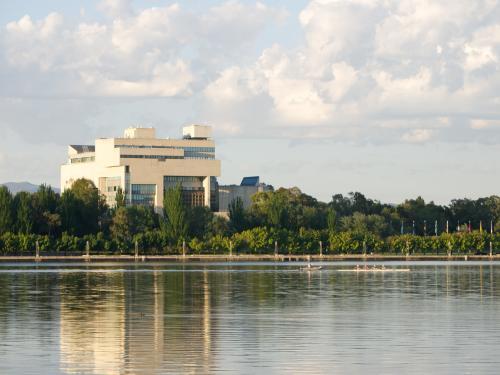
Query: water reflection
(92, 323)
(241, 318)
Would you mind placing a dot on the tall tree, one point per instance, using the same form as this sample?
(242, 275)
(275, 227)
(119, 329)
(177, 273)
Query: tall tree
(6, 210)
(175, 214)
(23, 212)
(121, 227)
(237, 214)
(45, 205)
(278, 210)
(120, 198)
(69, 212)
(362, 223)
(91, 206)
(331, 220)
(200, 218)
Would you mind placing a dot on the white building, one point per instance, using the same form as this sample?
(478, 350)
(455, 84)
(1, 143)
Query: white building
(144, 166)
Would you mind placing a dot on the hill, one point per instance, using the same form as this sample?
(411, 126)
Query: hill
(16, 187)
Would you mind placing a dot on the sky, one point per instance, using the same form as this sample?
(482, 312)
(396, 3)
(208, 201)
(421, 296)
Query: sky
(392, 98)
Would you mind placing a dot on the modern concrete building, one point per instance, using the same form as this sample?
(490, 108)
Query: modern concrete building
(144, 166)
(248, 187)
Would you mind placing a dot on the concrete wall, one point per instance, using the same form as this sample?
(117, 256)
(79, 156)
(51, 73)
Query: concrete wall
(229, 192)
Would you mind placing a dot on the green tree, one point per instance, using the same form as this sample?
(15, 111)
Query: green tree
(419, 211)
(52, 222)
(331, 220)
(121, 227)
(23, 212)
(91, 207)
(219, 226)
(175, 216)
(361, 223)
(83, 208)
(120, 198)
(46, 220)
(129, 221)
(278, 210)
(200, 219)
(6, 210)
(237, 214)
(69, 212)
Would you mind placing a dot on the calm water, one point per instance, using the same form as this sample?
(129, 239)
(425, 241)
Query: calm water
(441, 318)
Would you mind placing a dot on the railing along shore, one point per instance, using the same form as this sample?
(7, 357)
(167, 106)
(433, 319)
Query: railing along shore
(244, 258)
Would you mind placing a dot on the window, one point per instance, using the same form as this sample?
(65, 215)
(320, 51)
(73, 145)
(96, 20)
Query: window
(163, 157)
(189, 152)
(83, 160)
(143, 194)
(193, 192)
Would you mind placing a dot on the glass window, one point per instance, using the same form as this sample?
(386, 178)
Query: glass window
(143, 194)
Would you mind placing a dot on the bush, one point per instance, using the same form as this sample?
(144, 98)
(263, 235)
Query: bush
(10, 243)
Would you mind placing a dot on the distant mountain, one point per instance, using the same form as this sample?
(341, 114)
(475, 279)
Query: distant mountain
(16, 187)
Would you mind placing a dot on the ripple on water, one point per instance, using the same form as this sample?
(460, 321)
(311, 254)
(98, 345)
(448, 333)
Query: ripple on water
(257, 318)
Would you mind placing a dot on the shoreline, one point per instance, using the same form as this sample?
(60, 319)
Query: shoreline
(243, 258)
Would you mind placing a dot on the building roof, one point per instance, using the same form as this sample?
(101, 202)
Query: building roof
(250, 181)
(83, 148)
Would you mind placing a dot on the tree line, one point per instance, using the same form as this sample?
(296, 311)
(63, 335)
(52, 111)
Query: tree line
(294, 221)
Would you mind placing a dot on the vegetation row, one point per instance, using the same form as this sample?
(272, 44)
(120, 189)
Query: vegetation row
(295, 221)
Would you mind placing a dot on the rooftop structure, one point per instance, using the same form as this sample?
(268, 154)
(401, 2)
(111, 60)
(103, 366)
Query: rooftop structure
(250, 181)
(197, 132)
(144, 166)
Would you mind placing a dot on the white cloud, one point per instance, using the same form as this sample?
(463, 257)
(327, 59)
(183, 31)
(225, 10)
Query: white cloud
(166, 80)
(382, 70)
(417, 135)
(298, 101)
(478, 124)
(150, 28)
(116, 8)
(145, 53)
(483, 48)
(367, 65)
(27, 41)
(232, 85)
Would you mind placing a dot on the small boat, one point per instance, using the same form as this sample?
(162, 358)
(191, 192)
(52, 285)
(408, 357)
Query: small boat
(375, 269)
(310, 268)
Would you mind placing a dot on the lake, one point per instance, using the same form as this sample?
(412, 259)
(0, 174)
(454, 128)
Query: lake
(249, 318)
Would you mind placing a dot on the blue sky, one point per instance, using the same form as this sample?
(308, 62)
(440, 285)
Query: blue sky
(390, 98)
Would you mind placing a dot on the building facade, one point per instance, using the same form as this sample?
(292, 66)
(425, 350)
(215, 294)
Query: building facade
(248, 187)
(144, 166)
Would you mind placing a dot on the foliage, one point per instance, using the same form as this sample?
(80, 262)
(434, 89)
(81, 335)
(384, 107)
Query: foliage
(6, 217)
(120, 198)
(331, 220)
(176, 225)
(23, 208)
(237, 214)
(362, 223)
(128, 221)
(296, 221)
(199, 221)
(46, 218)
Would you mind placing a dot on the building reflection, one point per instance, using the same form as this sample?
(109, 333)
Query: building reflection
(140, 322)
(92, 323)
(172, 329)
